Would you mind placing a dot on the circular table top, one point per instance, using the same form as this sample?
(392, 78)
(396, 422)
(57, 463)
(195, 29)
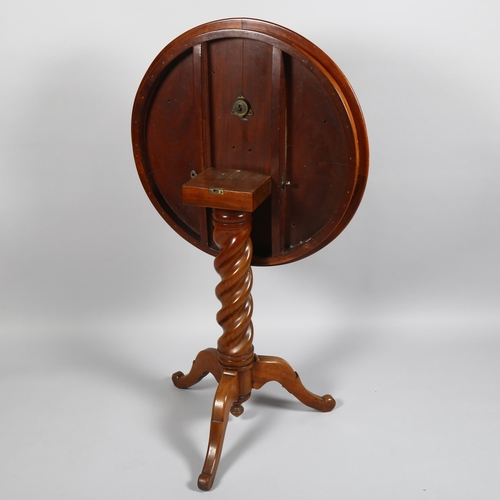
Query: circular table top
(252, 95)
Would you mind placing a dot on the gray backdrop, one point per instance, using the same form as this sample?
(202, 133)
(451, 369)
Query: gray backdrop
(100, 301)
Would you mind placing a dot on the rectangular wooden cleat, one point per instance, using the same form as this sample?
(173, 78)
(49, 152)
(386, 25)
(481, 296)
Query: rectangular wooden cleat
(241, 190)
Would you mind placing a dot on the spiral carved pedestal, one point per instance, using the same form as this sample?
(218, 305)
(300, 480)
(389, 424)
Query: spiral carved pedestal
(234, 364)
(235, 346)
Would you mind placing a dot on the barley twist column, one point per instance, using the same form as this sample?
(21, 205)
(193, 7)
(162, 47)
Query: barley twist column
(235, 347)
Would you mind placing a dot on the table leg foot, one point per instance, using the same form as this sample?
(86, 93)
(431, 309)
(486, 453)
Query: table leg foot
(271, 368)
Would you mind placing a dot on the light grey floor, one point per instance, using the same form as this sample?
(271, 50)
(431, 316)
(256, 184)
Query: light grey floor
(92, 414)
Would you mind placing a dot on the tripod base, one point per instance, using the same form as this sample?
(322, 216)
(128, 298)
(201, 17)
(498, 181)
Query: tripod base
(227, 397)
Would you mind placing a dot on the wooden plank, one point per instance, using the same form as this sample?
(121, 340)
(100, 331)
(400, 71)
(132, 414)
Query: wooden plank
(203, 150)
(278, 153)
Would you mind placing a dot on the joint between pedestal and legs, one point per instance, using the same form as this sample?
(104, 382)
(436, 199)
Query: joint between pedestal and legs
(243, 366)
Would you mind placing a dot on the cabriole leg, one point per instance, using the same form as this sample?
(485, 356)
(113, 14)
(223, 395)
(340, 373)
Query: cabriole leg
(271, 368)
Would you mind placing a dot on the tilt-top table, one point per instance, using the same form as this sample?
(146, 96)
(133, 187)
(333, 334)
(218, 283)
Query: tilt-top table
(250, 143)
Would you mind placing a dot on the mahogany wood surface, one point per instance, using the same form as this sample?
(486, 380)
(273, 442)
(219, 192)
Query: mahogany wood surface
(250, 143)
(306, 131)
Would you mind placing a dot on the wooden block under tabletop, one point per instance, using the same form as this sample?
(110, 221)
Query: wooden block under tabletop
(229, 189)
